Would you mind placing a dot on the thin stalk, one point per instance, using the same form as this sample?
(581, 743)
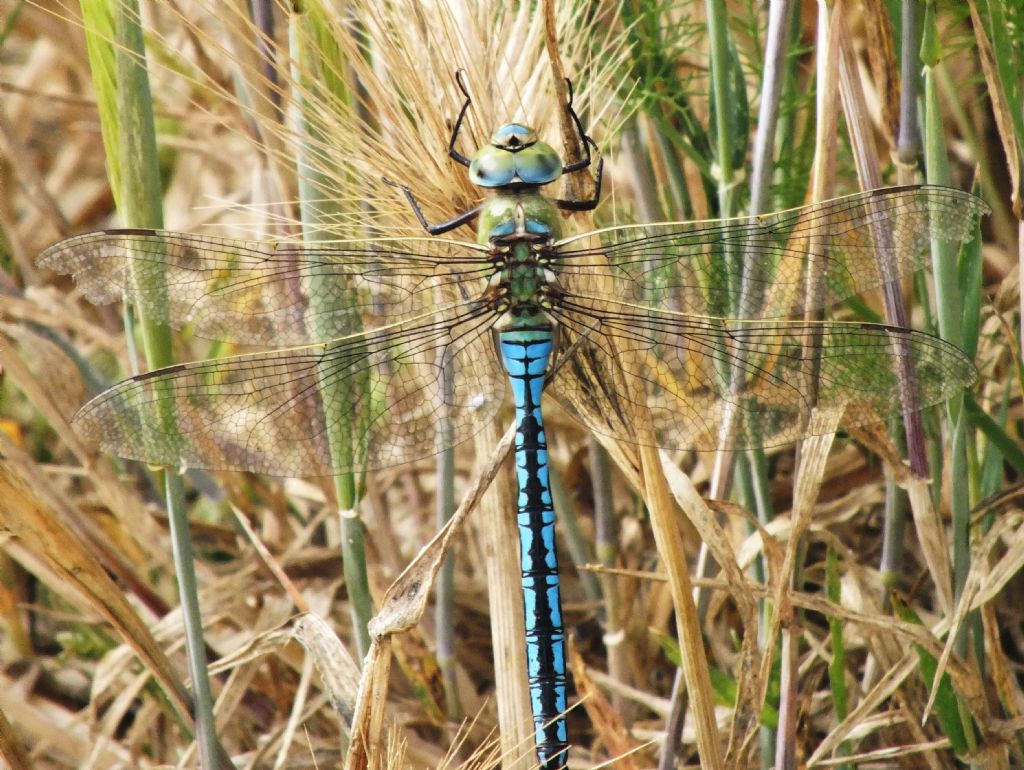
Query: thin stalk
(444, 627)
(312, 43)
(749, 295)
(763, 157)
(130, 139)
(858, 124)
(754, 495)
(723, 174)
(577, 542)
(948, 309)
(908, 150)
(606, 546)
(893, 536)
(720, 71)
(837, 666)
(908, 142)
(752, 476)
(822, 182)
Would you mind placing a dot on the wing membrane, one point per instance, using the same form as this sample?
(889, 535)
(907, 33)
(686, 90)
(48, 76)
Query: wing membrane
(293, 412)
(758, 267)
(690, 372)
(266, 293)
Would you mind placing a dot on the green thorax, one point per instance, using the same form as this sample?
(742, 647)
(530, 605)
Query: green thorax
(520, 228)
(498, 215)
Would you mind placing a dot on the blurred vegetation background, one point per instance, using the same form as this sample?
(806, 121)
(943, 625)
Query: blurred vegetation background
(868, 608)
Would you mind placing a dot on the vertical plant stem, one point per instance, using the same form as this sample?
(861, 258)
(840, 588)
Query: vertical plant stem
(130, 139)
(607, 549)
(908, 142)
(822, 182)
(948, 308)
(908, 149)
(695, 667)
(577, 541)
(497, 531)
(837, 666)
(720, 72)
(445, 617)
(315, 51)
(749, 294)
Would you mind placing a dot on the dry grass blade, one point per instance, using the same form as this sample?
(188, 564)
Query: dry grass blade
(36, 526)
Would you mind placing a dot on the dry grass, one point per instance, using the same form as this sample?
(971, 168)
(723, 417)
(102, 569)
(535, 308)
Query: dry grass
(90, 638)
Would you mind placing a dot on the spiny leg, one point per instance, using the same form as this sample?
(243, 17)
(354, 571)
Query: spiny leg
(442, 227)
(454, 154)
(588, 204)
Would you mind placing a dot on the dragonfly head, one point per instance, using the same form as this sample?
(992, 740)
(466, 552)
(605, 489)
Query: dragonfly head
(515, 158)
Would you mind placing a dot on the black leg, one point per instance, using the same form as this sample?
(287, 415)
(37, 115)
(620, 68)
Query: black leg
(590, 203)
(442, 227)
(454, 154)
(584, 139)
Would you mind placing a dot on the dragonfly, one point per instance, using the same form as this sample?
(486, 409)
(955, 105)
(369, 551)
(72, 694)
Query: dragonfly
(405, 346)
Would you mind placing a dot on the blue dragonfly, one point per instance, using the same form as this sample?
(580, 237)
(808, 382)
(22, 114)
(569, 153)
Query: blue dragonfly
(396, 350)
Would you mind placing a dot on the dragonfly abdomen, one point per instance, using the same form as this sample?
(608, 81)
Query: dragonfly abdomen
(525, 354)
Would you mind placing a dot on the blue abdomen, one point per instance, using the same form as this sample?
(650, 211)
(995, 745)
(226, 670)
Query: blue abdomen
(525, 354)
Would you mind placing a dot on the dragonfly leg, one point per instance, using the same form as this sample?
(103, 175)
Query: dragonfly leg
(590, 203)
(587, 142)
(454, 154)
(442, 227)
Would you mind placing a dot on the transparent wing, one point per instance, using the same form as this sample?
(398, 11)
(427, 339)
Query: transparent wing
(757, 267)
(369, 400)
(679, 367)
(266, 293)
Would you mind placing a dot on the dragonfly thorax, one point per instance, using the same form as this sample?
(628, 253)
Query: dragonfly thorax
(523, 285)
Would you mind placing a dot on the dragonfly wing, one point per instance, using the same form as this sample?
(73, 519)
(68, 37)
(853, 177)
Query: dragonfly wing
(270, 293)
(772, 265)
(711, 382)
(370, 400)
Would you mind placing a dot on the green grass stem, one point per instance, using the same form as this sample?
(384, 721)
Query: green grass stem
(723, 103)
(317, 58)
(837, 665)
(126, 115)
(949, 312)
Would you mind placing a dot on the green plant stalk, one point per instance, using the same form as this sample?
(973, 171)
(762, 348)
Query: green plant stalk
(720, 70)
(129, 134)
(312, 42)
(837, 666)
(950, 318)
(947, 706)
(1001, 441)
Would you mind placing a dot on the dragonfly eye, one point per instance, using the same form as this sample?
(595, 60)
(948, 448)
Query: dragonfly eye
(492, 167)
